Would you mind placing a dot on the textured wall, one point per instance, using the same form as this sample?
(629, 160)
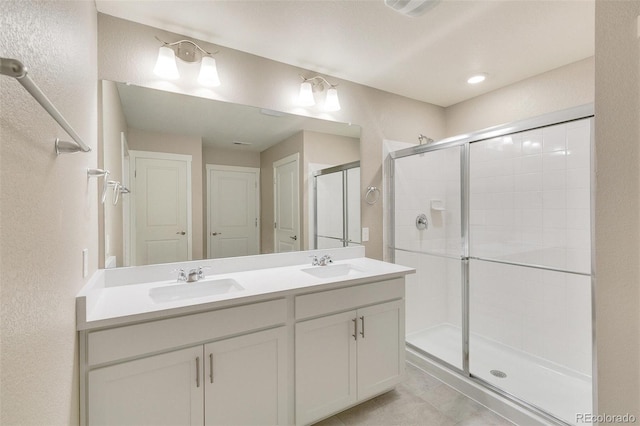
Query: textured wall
(617, 126)
(128, 52)
(558, 89)
(48, 208)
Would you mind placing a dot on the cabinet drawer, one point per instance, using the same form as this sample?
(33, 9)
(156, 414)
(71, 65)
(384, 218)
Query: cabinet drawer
(135, 340)
(326, 302)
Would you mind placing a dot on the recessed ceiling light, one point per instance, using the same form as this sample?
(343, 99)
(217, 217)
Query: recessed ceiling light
(478, 78)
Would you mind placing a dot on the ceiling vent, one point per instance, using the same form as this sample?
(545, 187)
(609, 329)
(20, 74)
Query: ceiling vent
(411, 8)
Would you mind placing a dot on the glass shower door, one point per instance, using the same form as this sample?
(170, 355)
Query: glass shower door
(427, 236)
(529, 273)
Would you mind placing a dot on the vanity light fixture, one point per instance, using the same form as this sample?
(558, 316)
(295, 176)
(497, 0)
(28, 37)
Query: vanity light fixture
(318, 84)
(187, 51)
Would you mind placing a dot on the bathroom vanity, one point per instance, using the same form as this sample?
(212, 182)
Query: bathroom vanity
(264, 339)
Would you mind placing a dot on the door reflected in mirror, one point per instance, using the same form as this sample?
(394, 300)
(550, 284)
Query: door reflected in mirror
(211, 179)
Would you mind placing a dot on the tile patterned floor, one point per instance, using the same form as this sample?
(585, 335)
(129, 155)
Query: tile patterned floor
(421, 400)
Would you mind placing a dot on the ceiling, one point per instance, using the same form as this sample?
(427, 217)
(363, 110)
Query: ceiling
(220, 124)
(427, 58)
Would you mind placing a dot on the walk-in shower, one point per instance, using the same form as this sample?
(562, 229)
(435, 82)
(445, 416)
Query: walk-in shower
(498, 227)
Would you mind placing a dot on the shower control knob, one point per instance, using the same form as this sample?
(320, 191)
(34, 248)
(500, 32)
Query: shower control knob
(422, 222)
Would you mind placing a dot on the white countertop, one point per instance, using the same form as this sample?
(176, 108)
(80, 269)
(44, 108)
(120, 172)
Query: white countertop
(100, 305)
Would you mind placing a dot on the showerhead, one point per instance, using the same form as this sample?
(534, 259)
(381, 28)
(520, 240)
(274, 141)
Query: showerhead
(422, 139)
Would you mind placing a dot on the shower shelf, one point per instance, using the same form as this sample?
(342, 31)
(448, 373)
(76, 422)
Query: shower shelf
(14, 68)
(437, 205)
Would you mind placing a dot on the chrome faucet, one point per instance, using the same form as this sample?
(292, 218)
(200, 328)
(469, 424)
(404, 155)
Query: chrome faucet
(193, 276)
(323, 261)
(182, 277)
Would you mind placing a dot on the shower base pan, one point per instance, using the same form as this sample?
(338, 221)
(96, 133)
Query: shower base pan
(556, 390)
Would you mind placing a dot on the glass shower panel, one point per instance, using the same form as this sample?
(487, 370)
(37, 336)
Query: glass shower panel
(530, 319)
(329, 210)
(427, 237)
(530, 197)
(530, 335)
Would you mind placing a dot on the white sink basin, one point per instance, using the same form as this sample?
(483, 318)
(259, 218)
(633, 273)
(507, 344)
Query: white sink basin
(333, 271)
(192, 290)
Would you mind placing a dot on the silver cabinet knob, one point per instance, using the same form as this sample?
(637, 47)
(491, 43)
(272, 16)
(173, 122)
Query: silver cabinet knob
(181, 233)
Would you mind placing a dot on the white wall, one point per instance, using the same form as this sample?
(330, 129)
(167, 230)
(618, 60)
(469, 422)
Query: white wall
(48, 208)
(617, 220)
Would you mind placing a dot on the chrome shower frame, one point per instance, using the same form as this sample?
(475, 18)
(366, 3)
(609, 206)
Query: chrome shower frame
(464, 142)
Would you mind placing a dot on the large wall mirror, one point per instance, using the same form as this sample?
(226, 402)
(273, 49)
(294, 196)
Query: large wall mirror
(193, 178)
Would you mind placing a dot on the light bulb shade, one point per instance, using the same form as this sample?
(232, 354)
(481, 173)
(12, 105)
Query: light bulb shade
(332, 103)
(166, 64)
(208, 72)
(306, 95)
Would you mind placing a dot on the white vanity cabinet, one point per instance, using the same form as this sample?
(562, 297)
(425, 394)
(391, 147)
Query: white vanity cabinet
(205, 384)
(347, 357)
(156, 390)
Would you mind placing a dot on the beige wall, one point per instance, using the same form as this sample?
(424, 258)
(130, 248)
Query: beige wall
(558, 89)
(321, 148)
(142, 140)
(113, 124)
(128, 52)
(48, 208)
(290, 146)
(617, 246)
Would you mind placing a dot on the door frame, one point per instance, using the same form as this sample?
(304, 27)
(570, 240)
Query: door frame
(289, 158)
(133, 156)
(219, 167)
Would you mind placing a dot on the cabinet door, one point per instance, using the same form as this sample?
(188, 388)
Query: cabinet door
(325, 366)
(380, 348)
(164, 389)
(246, 379)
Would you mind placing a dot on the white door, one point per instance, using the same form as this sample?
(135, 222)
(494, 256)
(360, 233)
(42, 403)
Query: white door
(161, 207)
(286, 204)
(380, 348)
(246, 379)
(157, 390)
(233, 211)
(325, 366)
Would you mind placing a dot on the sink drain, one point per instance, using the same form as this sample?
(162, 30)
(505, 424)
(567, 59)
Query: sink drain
(498, 373)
